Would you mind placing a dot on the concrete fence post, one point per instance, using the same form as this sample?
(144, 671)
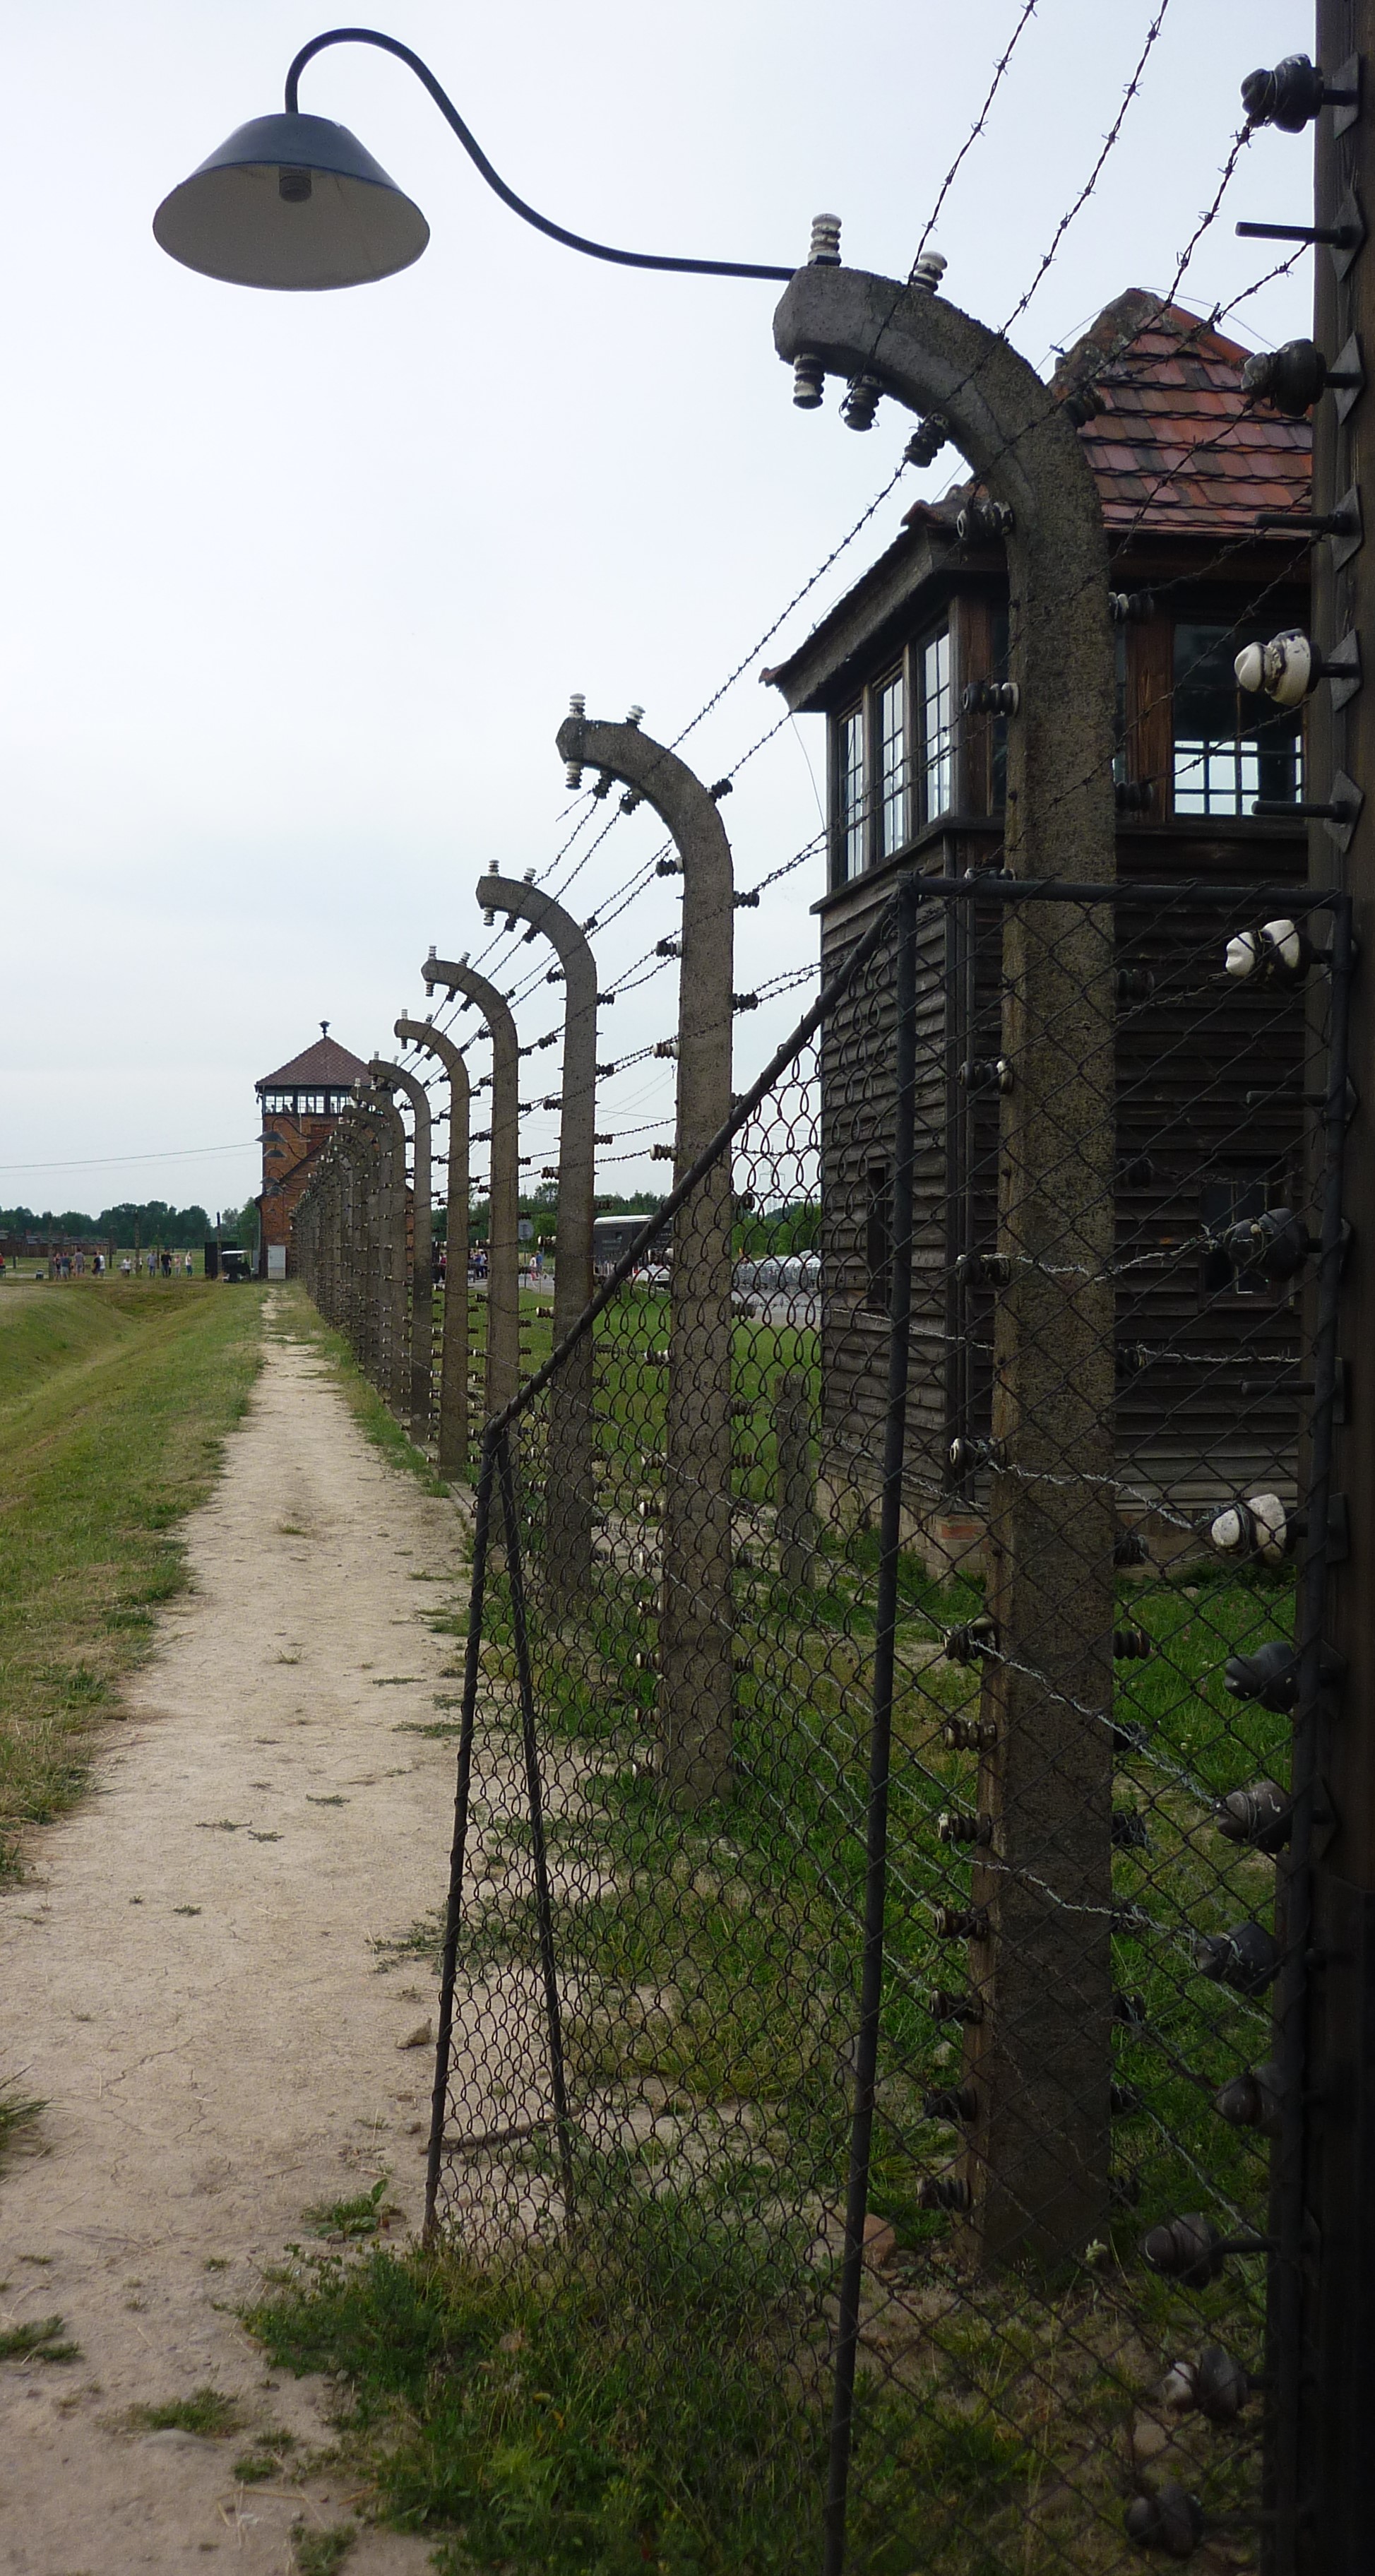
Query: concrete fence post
(503, 1250)
(1039, 2060)
(794, 1494)
(568, 1547)
(453, 1353)
(420, 1263)
(696, 1625)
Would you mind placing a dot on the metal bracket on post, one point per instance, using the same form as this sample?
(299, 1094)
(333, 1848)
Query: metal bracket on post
(503, 1296)
(568, 1545)
(391, 1076)
(696, 1622)
(1040, 2057)
(453, 1354)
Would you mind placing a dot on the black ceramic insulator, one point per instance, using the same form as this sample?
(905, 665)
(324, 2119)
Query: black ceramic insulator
(1261, 1816)
(943, 2191)
(1247, 1958)
(945, 2005)
(1185, 2250)
(956, 2103)
(960, 1922)
(1129, 1830)
(1130, 1644)
(1135, 984)
(1171, 2520)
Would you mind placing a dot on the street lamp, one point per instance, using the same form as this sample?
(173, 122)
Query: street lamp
(295, 202)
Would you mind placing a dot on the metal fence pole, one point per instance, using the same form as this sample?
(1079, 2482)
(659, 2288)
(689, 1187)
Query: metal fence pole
(697, 1620)
(568, 1541)
(503, 1250)
(1040, 2058)
(453, 1352)
(421, 1262)
(880, 1740)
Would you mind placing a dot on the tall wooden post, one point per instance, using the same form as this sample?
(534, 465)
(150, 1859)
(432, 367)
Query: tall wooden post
(453, 1354)
(1040, 2057)
(1322, 2332)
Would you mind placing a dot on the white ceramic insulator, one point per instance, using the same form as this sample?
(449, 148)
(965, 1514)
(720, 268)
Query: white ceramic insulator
(1249, 667)
(1243, 954)
(1271, 1527)
(1228, 1531)
(1288, 661)
(1287, 942)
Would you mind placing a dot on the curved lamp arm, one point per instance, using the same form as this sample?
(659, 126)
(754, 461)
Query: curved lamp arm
(518, 206)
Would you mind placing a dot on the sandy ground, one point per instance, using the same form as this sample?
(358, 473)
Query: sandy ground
(202, 2010)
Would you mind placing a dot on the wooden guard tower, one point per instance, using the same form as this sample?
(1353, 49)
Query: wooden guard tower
(300, 1103)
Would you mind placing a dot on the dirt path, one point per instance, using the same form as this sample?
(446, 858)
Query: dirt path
(201, 2009)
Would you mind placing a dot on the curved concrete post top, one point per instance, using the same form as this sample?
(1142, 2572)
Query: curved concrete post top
(502, 894)
(932, 357)
(665, 782)
(462, 978)
(393, 1077)
(421, 1033)
(1060, 814)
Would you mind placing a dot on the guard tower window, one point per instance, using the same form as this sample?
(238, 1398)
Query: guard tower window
(852, 796)
(1230, 746)
(892, 762)
(937, 733)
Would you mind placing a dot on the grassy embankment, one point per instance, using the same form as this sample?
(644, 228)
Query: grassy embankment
(114, 1399)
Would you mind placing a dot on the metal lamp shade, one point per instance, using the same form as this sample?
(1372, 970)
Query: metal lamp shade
(292, 202)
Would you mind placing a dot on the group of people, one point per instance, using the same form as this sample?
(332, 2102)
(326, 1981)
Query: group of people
(169, 1263)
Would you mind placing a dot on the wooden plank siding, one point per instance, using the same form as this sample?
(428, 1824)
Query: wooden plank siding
(1209, 1074)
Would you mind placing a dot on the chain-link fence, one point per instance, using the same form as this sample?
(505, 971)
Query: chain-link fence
(876, 1935)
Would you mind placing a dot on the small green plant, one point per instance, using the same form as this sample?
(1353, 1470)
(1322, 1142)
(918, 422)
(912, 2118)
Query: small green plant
(267, 2458)
(206, 2411)
(18, 2112)
(365, 2215)
(318, 2553)
(42, 2339)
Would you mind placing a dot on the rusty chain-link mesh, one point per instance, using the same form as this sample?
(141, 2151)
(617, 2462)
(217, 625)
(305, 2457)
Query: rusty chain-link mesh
(876, 1937)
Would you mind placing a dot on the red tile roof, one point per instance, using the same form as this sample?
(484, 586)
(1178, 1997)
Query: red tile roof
(1179, 445)
(1177, 449)
(324, 1066)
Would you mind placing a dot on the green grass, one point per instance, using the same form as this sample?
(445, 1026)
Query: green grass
(320, 2553)
(19, 2113)
(554, 2411)
(114, 1401)
(550, 2423)
(42, 2339)
(206, 2411)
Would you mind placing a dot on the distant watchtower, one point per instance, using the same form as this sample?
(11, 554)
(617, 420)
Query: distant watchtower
(300, 1103)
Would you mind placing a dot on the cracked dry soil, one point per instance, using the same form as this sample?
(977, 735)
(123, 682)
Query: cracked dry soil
(187, 1980)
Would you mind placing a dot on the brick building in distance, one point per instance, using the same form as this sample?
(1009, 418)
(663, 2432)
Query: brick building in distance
(301, 1104)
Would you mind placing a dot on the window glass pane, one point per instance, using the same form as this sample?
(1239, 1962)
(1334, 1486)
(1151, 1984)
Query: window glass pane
(1230, 746)
(937, 764)
(892, 734)
(851, 795)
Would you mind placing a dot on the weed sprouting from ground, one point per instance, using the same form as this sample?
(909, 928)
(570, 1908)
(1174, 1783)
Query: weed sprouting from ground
(41, 2339)
(367, 2214)
(206, 2411)
(319, 2553)
(19, 2113)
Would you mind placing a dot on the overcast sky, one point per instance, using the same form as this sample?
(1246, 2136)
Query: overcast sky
(294, 589)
